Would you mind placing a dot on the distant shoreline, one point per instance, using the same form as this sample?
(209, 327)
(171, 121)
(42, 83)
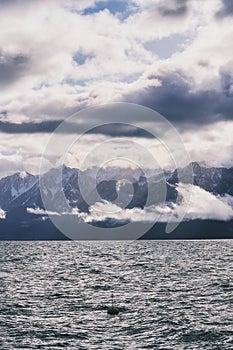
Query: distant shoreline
(187, 230)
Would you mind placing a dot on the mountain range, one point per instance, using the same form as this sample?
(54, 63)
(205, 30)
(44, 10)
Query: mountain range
(21, 202)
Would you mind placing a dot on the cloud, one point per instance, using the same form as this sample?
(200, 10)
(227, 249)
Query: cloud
(22, 151)
(43, 76)
(48, 78)
(59, 56)
(196, 80)
(16, 128)
(121, 130)
(173, 8)
(175, 100)
(39, 211)
(203, 205)
(226, 9)
(2, 214)
(111, 129)
(12, 67)
(197, 203)
(204, 143)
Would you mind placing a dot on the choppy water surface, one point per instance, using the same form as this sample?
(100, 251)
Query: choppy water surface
(171, 294)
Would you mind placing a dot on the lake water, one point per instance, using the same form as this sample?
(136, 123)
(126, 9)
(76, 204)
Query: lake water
(171, 295)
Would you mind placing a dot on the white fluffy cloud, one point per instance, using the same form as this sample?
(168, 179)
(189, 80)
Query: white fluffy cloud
(211, 144)
(2, 214)
(201, 204)
(197, 203)
(194, 201)
(56, 58)
(43, 42)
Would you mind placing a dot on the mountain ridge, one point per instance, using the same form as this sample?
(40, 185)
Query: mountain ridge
(26, 218)
(17, 190)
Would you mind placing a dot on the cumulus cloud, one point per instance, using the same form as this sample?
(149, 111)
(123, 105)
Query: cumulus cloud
(12, 67)
(22, 151)
(41, 73)
(211, 143)
(39, 211)
(173, 8)
(177, 102)
(19, 128)
(44, 78)
(196, 202)
(59, 56)
(202, 204)
(2, 214)
(226, 9)
(193, 200)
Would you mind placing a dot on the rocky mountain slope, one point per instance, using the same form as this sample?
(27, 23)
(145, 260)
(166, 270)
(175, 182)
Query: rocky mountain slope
(23, 190)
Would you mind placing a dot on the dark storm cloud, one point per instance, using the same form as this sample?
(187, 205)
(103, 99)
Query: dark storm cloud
(226, 10)
(12, 67)
(120, 130)
(175, 101)
(227, 84)
(113, 129)
(6, 2)
(174, 8)
(15, 2)
(29, 128)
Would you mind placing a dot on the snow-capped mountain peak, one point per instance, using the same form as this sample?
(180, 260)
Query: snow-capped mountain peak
(22, 189)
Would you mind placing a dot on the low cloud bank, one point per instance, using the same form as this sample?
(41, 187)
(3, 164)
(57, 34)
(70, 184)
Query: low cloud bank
(204, 205)
(196, 202)
(2, 214)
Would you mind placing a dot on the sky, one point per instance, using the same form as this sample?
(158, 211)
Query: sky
(60, 56)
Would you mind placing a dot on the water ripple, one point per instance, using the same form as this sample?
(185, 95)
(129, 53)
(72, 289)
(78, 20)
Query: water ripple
(171, 295)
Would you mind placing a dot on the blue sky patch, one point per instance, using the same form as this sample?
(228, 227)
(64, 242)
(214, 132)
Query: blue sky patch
(73, 82)
(8, 152)
(81, 58)
(166, 47)
(121, 8)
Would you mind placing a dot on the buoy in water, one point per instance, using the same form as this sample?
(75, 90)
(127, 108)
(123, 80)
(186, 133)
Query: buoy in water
(113, 310)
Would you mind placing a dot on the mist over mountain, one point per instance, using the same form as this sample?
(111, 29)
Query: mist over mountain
(211, 197)
(23, 190)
